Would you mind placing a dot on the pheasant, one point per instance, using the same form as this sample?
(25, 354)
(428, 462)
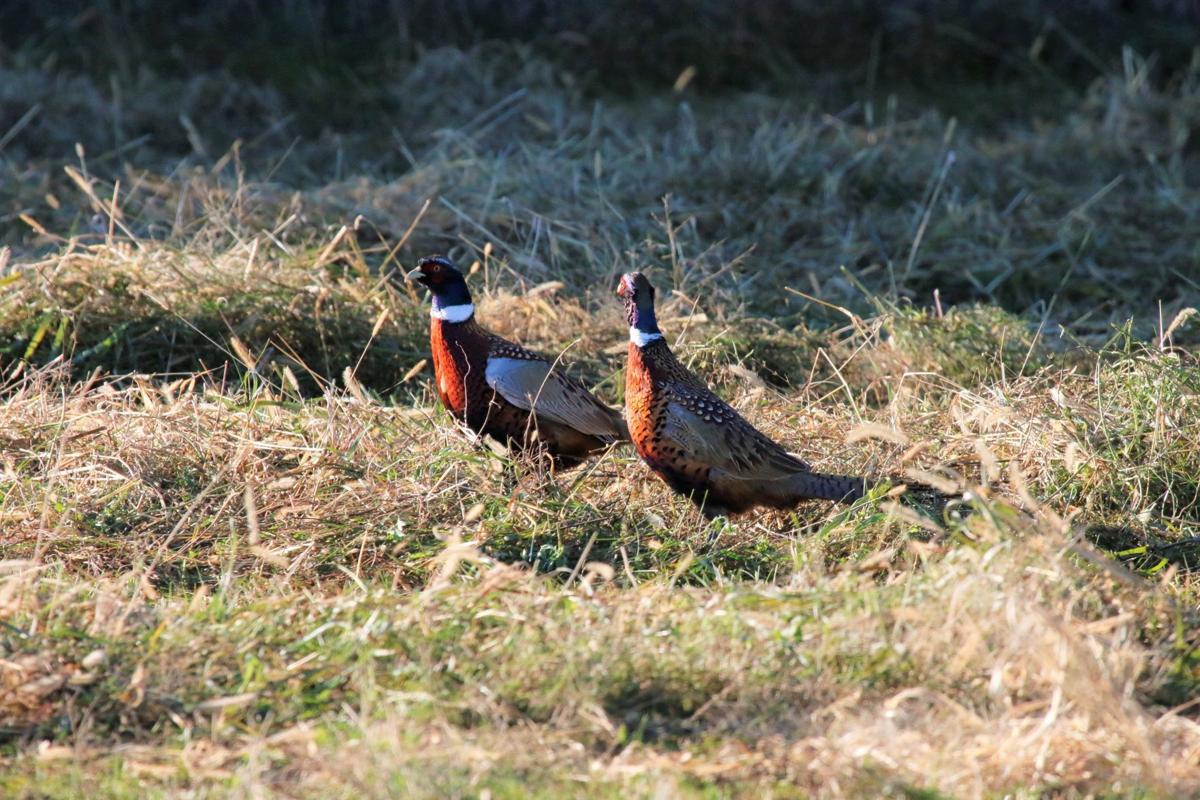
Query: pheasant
(695, 441)
(503, 390)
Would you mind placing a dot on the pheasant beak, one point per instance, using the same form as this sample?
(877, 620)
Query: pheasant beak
(415, 276)
(625, 287)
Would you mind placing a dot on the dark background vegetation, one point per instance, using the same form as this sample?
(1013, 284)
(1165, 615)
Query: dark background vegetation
(613, 46)
(331, 62)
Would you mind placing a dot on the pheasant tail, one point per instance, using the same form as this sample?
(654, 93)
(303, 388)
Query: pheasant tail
(817, 486)
(727, 491)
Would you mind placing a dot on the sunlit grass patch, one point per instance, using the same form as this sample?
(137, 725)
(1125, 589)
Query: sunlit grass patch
(1135, 429)
(973, 646)
(969, 346)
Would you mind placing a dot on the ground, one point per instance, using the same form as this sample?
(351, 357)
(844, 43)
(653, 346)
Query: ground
(246, 554)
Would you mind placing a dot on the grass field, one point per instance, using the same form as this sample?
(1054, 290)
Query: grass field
(246, 554)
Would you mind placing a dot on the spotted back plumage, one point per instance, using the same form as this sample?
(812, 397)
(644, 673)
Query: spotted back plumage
(700, 445)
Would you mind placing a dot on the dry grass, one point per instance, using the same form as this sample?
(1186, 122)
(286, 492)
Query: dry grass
(247, 587)
(244, 553)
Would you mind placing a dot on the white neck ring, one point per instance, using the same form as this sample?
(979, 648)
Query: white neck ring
(453, 313)
(641, 338)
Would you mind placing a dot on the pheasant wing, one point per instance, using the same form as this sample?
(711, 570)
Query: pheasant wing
(531, 384)
(710, 432)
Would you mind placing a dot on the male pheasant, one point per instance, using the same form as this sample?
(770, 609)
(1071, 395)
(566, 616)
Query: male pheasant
(503, 390)
(694, 441)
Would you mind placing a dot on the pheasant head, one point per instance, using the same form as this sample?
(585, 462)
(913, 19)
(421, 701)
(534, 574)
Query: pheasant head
(638, 295)
(451, 297)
